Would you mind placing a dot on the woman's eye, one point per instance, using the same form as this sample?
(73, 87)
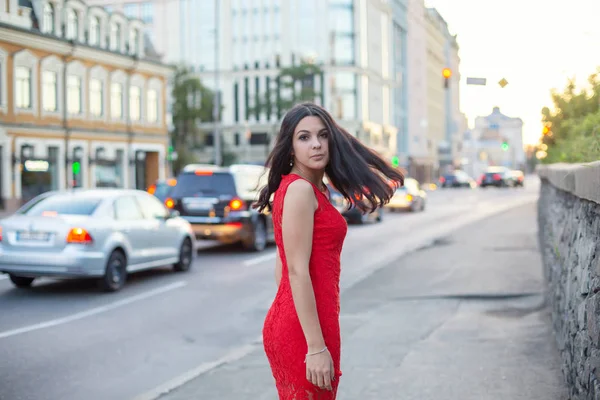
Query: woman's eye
(324, 134)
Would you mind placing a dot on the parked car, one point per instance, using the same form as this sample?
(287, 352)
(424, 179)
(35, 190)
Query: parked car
(101, 233)
(518, 178)
(162, 188)
(410, 197)
(217, 201)
(457, 179)
(496, 176)
(349, 211)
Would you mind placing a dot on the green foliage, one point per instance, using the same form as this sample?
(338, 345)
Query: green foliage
(192, 104)
(579, 143)
(574, 124)
(284, 94)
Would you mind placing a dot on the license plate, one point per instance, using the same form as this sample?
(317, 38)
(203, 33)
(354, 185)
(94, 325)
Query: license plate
(198, 205)
(33, 236)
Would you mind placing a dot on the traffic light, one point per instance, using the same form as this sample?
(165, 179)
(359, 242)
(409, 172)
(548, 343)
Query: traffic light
(505, 146)
(395, 161)
(446, 73)
(76, 168)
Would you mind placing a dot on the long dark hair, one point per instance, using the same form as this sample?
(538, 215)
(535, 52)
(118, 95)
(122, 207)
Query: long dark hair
(356, 171)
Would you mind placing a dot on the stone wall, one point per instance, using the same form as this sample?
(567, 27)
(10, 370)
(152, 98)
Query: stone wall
(569, 235)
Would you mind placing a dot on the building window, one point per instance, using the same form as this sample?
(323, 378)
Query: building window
(96, 96)
(74, 94)
(152, 106)
(135, 103)
(23, 88)
(343, 93)
(134, 39)
(130, 10)
(147, 13)
(48, 19)
(50, 91)
(2, 79)
(116, 100)
(72, 24)
(94, 31)
(115, 37)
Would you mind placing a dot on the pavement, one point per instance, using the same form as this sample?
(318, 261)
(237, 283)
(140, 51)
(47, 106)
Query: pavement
(463, 318)
(415, 288)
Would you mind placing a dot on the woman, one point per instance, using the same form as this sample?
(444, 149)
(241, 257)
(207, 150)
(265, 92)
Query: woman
(301, 333)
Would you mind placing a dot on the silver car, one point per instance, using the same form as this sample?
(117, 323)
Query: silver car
(104, 233)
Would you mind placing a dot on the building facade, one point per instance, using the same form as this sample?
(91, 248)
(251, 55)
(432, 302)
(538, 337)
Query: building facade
(495, 140)
(445, 123)
(420, 147)
(81, 102)
(351, 40)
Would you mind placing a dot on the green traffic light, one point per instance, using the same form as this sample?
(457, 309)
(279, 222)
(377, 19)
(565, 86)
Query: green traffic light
(76, 168)
(505, 146)
(395, 161)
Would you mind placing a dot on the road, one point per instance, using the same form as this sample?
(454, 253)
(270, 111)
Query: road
(65, 340)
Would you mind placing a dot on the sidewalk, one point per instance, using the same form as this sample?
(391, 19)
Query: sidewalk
(463, 319)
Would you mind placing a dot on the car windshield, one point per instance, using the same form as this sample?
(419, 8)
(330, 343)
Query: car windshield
(60, 204)
(212, 184)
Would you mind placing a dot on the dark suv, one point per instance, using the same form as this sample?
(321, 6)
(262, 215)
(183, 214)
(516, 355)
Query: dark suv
(217, 202)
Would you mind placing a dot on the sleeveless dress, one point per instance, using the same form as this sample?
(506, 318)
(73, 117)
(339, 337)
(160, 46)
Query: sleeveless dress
(283, 338)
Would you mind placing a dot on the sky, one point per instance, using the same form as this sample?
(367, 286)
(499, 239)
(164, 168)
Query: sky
(536, 45)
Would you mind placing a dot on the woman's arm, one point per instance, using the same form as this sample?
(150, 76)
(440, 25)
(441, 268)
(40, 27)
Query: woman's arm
(277, 268)
(297, 226)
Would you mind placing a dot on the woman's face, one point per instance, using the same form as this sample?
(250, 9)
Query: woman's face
(311, 144)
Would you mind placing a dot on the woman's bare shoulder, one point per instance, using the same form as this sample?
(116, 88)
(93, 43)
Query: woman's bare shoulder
(300, 193)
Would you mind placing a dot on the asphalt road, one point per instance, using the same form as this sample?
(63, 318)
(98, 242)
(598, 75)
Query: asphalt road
(64, 340)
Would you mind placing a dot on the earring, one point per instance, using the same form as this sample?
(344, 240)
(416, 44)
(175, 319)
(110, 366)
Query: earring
(291, 162)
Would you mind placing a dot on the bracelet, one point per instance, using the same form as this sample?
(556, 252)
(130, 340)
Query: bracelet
(315, 353)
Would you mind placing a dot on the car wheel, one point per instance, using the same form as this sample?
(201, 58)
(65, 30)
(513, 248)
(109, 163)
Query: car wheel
(21, 281)
(115, 274)
(258, 242)
(186, 252)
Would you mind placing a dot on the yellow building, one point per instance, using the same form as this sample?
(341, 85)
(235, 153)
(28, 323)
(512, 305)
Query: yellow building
(436, 31)
(82, 100)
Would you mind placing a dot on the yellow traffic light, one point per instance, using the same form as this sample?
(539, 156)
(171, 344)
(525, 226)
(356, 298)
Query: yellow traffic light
(545, 130)
(446, 73)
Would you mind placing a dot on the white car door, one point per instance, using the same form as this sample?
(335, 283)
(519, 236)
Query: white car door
(165, 231)
(130, 221)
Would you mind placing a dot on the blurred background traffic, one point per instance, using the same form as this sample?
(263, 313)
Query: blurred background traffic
(133, 137)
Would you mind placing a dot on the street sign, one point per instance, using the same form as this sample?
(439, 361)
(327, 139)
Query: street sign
(502, 82)
(477, 81)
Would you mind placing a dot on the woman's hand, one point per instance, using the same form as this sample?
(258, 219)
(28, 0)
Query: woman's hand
(319, 369)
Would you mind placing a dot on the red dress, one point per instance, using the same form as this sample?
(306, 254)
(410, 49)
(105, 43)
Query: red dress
(283, 338)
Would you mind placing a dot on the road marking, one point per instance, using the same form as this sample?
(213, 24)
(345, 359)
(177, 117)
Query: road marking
(93, 311)
(259, 259)
(234, 355)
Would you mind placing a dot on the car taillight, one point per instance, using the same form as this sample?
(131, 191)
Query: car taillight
(0, 233)
(442, 179)
(236, 205)
(152, 189)
(170, 203)
(79, 235)
(497, 177)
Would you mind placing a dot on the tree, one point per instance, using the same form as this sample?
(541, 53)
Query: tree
(574, 124)
(192, 104)
(285, 93)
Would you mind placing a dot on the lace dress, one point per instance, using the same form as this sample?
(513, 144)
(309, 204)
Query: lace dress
(283, 338)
